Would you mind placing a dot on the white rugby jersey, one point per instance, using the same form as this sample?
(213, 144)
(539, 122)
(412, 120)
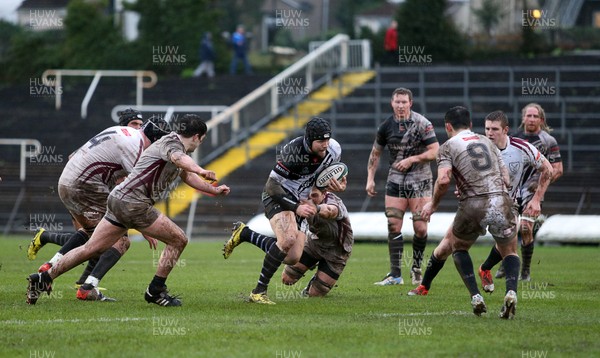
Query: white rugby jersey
(103, 159)
(297, 168)
(518, 156)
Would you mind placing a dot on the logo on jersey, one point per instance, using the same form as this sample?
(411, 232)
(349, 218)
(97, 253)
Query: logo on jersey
(281, 170)
(514, 167)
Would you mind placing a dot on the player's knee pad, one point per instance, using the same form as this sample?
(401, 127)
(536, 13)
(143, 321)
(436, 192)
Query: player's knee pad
(291, 275)
(394, 213)
(526, 225)
(320, 286)
(417, 216)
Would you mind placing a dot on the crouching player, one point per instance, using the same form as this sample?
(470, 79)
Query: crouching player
(328, 245)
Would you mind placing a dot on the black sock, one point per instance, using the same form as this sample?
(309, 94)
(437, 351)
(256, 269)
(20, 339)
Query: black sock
(88, 270)
(77, 239)
(246, 234)
(464, 266)
(395, 249)
(106, 261)
(273, 260)
(492, 260)
(433, 267)
(58, 238)
(511, 267)
(419, 244)
(263, 242)
(157, 285)
(526, 254)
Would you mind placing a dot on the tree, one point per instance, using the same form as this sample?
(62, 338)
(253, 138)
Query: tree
(92, 41)
(423, 24)
(489, 15)
(170, 32)
(29, 54)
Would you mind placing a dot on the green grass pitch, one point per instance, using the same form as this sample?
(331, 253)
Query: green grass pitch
(557, 313)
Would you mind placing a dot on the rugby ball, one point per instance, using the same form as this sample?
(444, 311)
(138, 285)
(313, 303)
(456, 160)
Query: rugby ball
(335, 170)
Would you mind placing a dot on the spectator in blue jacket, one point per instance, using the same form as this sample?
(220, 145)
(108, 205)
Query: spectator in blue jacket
(239, 42)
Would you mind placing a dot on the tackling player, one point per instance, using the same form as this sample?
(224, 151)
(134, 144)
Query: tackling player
(286, 193)
(328, 245)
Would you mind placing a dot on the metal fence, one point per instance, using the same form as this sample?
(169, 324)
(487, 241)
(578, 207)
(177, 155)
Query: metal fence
(282, 92)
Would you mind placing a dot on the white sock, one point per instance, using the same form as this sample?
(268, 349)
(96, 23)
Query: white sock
(55, 259)
(92, 281)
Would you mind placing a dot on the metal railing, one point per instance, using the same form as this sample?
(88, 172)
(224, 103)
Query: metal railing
(359, 53)
(97, 74)
(256, 109)
(25, 152)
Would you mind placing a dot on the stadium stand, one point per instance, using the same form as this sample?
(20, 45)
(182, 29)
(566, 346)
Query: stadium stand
(572, 111)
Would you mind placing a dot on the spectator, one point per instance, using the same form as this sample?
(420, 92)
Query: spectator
(390, 43)
(240, 49)
(207, 56)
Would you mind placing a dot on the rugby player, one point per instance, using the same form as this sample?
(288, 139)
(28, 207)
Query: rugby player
(411, 140)
(328, 245)
(536, 131)
(130, 205)
(286, 197)
(484, 203)
(127, 118)
(519, 157)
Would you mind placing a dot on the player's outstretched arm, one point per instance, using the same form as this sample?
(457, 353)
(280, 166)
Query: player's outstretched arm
(196, 182)
(185, 162)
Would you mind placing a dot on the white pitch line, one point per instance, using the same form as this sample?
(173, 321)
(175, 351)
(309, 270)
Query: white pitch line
(76, 320)
(417, 314)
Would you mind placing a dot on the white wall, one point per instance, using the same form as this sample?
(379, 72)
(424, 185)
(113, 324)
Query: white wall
(373, 226)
